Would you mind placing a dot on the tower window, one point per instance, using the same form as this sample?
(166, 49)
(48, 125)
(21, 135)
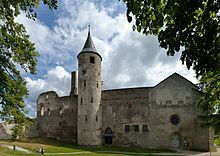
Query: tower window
(96, 118)
(127, 128)
(92, 59)
(61, 110)
(86, 119)
(97, 85)
(84, 71)
(91, 99)
(81, 101)
(84, 83)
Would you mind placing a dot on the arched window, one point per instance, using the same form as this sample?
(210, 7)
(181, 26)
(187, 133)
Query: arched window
(48, 111)
(42, 110)
(61, 110)
(108, 136)
(108, 131)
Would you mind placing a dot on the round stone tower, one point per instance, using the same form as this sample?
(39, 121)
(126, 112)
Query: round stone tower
(89, 95)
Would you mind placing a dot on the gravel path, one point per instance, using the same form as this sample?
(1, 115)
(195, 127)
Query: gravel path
(17, 148)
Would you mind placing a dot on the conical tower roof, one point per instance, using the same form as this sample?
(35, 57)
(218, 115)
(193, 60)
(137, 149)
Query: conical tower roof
(89, 45)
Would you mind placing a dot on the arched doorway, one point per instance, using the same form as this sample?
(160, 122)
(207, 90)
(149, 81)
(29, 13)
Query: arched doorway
(175, 140)
(108, 136)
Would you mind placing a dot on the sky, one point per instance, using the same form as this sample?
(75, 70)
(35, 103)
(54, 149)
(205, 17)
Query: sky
(130, 59)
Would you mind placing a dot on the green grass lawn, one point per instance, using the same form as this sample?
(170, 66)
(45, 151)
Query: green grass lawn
(53, 146)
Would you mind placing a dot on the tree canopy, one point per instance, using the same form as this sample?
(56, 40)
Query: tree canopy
(190, 27)
(16, 51)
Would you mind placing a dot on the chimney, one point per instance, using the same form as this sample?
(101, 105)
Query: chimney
(73, 84)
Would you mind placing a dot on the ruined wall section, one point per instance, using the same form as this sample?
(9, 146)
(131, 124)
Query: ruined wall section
(5, 131)
(126, 108)
(57, 116)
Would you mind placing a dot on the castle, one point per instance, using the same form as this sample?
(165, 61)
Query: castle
(162, 116)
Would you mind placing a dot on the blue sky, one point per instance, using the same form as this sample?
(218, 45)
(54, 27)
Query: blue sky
(130, 59)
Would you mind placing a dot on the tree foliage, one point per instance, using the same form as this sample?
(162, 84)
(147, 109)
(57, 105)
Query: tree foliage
(210, 101)
(189, 26)
(16, 51)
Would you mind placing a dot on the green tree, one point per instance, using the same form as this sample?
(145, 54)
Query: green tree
(16, 51)
(189, 26)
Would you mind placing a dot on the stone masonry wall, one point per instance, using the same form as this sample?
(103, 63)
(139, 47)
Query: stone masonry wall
(154, 110)
(126, 107)
(5, 131)
(57, 116)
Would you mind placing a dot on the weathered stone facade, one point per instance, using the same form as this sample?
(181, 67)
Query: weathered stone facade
(163, 116)
(5, 131)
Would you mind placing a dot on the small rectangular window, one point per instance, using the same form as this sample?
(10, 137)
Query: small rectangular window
(84, 83)
(97, 85)
(91, 99)
(145, 128)
(48, 111)
(127, 128)
(180, 102)
(92, 59)
(136, 128)
(96, 118)
(81, 101)
(168, 102)
(86, 119)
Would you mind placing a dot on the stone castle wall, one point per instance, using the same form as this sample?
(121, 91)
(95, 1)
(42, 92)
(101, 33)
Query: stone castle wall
(164, 116)
(57, 116)
(150, 111)
(5, 131)
(126, 107)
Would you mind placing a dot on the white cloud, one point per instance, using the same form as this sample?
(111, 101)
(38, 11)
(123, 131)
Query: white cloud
(56, 79)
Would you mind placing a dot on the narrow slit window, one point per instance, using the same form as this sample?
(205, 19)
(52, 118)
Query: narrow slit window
(91, 99)
(81, 101)
(86, 119)
(84, 83)
(92, 59)
(96, 118)
(61, 110)
(48, 111)
(97, 85)
(42, 110)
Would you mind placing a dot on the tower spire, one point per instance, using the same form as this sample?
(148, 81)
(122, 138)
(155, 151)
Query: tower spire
(89, 45)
